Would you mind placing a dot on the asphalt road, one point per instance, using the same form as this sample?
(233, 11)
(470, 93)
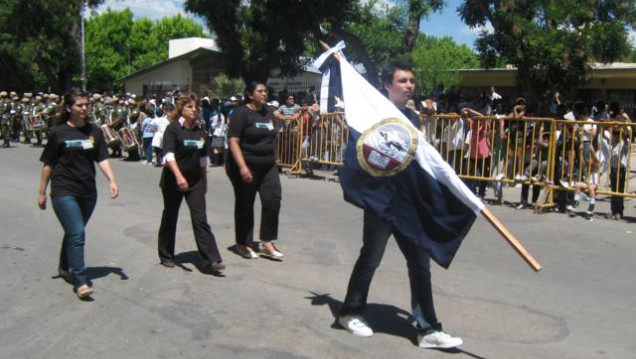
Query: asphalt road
(581, 305)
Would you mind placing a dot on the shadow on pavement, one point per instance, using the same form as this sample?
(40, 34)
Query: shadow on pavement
(383, 318)
(100, 272)
(193, 258)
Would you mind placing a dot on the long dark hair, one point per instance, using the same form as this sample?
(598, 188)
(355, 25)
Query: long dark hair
(181, 102)
(69, 100)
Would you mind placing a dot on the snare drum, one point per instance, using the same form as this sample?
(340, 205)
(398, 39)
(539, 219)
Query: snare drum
(128, 138)
(34, 123)
(110, 136)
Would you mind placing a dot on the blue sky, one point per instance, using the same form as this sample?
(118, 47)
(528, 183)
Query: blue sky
(446, 23)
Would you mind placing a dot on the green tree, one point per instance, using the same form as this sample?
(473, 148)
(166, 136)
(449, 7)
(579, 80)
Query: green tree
(117, 45)
(223, 86)
(107, 47)
(417, 9)
(260, 35)
(552, 43)
(434, 60)
(46, 34)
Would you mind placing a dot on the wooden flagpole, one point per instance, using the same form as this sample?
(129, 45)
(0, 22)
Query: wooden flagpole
(510, 238)
(493, 220)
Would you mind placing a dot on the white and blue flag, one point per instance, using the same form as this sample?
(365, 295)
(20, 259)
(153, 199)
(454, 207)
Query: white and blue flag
(390, 169)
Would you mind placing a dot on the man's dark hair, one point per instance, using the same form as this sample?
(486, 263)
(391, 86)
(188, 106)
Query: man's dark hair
(389, 71)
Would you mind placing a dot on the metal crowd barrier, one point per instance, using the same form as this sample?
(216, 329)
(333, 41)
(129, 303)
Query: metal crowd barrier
(319, 142)
(554, 154)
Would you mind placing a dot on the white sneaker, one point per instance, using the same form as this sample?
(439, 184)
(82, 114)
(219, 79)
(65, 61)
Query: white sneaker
(438, 340)
(500, 176)
(356, 325)
(523, 178)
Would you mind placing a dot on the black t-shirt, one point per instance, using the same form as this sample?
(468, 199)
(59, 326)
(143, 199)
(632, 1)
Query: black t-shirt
(257, 133)
(188, 146)
(72, 153)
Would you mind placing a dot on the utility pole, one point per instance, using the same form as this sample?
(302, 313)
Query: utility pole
(82, 49)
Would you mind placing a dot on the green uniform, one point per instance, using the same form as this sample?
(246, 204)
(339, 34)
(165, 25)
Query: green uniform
(99, 113)
(5, 121)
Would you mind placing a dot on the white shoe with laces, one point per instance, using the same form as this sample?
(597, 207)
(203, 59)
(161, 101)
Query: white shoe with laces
(438, 340)
(356, 325)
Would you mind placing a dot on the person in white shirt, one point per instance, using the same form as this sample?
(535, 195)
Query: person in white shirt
(159, 124)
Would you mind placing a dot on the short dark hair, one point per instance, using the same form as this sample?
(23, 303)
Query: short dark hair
(249, 90)
(69, 100)
(389, 71)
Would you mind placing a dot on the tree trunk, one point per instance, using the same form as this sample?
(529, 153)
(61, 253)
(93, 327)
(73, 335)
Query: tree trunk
(413, 27)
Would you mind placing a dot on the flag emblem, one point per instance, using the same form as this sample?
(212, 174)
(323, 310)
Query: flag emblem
(387, 147)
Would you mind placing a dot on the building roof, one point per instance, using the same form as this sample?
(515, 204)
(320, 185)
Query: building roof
(189, 56)
(616, 75)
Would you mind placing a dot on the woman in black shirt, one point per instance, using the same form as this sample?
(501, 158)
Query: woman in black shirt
(184, 175)
(68, 157)
(251, 169)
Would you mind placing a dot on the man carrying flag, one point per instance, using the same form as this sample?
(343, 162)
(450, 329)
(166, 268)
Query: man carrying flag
(422, 203)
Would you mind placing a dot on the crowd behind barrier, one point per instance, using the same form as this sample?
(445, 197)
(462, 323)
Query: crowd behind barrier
(557, 155)
(543, 152)
(302, 144)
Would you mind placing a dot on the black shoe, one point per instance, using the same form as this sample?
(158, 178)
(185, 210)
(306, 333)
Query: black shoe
(6, 145)
(167, 263)
(215, 267)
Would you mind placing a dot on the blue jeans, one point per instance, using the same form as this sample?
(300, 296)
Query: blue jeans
(73, 213)
(147, 143)
(375, 236)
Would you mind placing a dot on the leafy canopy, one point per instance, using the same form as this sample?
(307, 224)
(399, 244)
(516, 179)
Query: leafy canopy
(117, 45)
(552, 43)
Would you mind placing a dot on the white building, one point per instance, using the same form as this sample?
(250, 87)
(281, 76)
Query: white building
(192, 64)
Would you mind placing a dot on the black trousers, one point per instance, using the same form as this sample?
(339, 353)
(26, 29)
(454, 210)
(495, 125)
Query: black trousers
(617, 184)
(375, 236)
(195, 198)
(266, 183)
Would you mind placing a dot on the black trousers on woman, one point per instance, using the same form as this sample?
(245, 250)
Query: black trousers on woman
(266, 183)
(195, 198)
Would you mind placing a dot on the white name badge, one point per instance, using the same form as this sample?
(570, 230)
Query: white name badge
(267, 126)
(87, 144)
(84, 144)
(194, 143)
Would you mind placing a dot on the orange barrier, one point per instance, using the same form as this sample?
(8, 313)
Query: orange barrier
(555, 154)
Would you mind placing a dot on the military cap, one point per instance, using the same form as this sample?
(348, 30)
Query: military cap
(28, 95)
(14, 98)
(3, 94)
(38, 98)
(46, 95)
(96, 96)
(53, 96)
(25, 99)
(13, 93)
(131, 102)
